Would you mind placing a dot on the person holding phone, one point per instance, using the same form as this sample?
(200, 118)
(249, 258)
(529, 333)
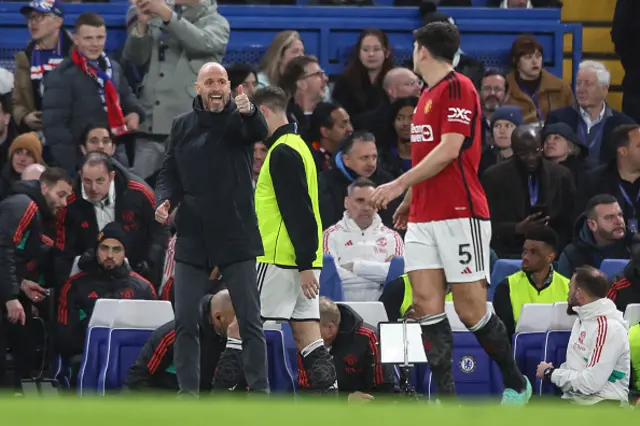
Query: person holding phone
(528, 190)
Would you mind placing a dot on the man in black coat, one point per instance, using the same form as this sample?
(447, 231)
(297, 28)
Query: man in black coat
(207, 170)
(527, 190)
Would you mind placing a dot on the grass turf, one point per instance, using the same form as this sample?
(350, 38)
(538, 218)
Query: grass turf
(72, 411)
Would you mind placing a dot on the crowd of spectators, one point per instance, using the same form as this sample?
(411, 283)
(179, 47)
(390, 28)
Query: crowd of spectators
(561, 170)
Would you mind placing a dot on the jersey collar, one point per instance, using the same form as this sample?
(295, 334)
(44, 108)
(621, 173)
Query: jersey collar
(280, 131)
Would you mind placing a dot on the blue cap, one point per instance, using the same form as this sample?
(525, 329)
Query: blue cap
(43, 6)
(510, 113)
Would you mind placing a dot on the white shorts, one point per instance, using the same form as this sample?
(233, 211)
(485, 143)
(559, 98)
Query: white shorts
(458, 246)
(281, 297)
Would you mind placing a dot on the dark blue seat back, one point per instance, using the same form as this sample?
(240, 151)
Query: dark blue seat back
(280, 377)
(94, 357)
(396, 268)
(124, 348)
(330, 282)
(612, 267)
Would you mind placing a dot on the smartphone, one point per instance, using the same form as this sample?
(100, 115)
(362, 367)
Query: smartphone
(541, 209)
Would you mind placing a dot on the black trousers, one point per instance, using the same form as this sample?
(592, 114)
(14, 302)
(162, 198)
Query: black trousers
(20, 340)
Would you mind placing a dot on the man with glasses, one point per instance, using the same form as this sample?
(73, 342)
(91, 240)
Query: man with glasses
(493, 91)
(527, 190)
(49, 45)
(305, 82)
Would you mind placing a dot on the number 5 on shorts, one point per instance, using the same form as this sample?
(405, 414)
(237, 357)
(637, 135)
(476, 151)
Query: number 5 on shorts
(464, 253)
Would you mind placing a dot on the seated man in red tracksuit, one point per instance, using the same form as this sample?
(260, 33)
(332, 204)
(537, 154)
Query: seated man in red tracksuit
(220, 351)
(355, 350)
(104, 274)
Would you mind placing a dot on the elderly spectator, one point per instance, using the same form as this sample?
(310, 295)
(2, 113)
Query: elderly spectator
(25, 150)
(174, 43)
(48, 46)
(398, 83)
(106, 95)
(359, 88)
(532, 88)
(561, 145)
(592, 118)
(527, 190)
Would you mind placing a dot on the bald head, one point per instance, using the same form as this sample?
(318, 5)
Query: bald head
(32, 172)
(526, 146)
(221, 304)
(401, 83)
(213, 87)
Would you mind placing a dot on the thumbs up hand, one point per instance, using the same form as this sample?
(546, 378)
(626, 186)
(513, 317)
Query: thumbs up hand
(245, 107)
(162, 212)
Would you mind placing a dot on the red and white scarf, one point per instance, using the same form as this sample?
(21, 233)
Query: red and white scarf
(108, 92)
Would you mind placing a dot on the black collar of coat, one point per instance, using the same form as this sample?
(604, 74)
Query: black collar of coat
(280, 131)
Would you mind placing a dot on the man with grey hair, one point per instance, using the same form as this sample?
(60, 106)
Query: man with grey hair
(592, 118)
(398, 83)
(170, 42)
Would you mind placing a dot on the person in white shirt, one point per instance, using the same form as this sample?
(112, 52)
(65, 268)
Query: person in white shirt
(361, 245)
(598, 358)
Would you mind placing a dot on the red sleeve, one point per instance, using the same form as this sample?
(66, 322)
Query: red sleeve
(459, 106)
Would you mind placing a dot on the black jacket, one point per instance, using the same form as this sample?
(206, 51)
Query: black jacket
(626, 289)
(134, 210)
(356, 356)
(584, 250)
(506, 188)
(71, 100)
(207, 170)
(289, 180)
(606, 180)
(27, 232)
(571, 116)
(378, 122)
(154, 369)
(392, 297)
(626, 39)
(79, 294)
(333, 184)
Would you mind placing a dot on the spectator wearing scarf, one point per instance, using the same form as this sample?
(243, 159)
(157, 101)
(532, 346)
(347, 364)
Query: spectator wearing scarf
(49, 45)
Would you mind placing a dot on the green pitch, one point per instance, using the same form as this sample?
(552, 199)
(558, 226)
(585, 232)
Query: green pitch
(70, 411)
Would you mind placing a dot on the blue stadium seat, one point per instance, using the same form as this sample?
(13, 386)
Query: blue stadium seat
(280, 377)
(134, 322)
(60, 369)
(292, 351)
(556, 341)
(474, 373)
(95, 345)
(611, 267)
(632, 314)
(396, 268)
(528, 340)
(501, 270)
(330, 282)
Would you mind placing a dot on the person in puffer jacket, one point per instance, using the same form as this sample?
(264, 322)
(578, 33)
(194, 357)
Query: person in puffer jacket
(597, 370)
(361, 246)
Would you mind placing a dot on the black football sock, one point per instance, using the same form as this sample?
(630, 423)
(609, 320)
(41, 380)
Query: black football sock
(492, 335)
(437, 339)
(317, 372)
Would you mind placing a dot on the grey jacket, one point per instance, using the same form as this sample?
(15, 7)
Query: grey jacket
(199, 34)
(71, 102)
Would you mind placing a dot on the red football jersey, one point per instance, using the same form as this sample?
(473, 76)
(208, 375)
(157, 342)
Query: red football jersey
(451, 106)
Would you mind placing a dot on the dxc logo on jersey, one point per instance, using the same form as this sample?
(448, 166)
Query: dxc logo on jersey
(459, 115)
(421, 133)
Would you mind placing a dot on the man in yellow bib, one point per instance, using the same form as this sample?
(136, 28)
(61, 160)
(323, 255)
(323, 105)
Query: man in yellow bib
(288, 214)
(536, 282)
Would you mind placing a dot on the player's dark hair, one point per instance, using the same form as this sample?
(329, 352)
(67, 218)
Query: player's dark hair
(321, 117)
(294, 71)
(97, 158)
(591, 280)
(620, 135)
(238, 73)
(441, 39)
(92, 126)
(543, 234)
(359, 136)
(90, 19)
(271, 97)
(361, 182)
(598, 200)
(52, 175)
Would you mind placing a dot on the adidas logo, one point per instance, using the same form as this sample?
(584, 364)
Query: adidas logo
(93, 295)
(348, 243)
(466, 271)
